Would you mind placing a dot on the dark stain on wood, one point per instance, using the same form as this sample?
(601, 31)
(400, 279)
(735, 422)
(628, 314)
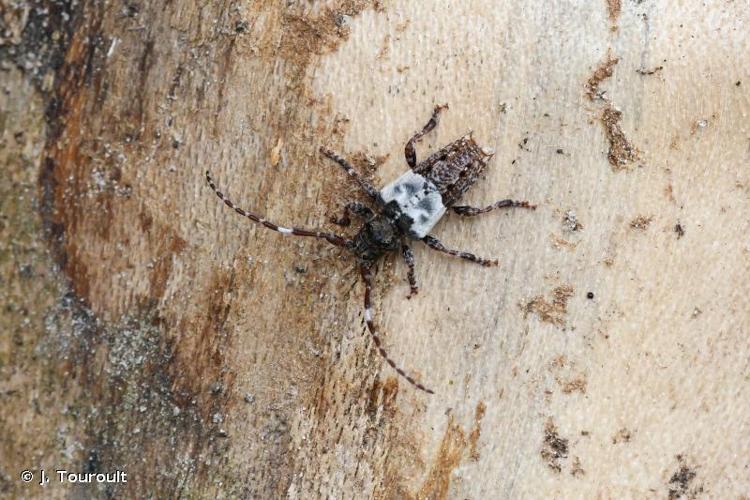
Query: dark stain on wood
(641, 222)
(601, 73)
(449, 456)
(554, 447)
(614, 7)
(383, 395)
(621, 151)
(553, 311)
(680, 485)
(476, 431)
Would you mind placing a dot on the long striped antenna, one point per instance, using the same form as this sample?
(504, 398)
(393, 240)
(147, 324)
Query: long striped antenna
(295, 231)
(367, 276)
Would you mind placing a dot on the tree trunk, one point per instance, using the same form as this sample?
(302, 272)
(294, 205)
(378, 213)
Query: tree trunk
(148, 329)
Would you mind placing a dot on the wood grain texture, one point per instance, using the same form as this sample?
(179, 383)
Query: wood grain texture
(147, 328)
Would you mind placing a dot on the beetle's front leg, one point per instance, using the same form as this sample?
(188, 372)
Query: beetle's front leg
(356, 208)
(471, 211)
(408, 256)
(411, 155)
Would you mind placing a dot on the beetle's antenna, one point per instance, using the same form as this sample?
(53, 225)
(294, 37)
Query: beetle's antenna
(366, 271)
(330, 237)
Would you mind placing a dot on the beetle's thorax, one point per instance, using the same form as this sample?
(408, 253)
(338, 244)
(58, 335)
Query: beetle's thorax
(413, 203)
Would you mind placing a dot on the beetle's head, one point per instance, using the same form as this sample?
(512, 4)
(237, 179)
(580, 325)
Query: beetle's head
(378, 236)
(383, 233)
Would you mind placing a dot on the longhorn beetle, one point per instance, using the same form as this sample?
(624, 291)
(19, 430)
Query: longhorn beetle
(407, 208)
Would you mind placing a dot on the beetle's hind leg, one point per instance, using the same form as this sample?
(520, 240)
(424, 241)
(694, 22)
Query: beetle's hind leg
(472, 211)
(349, 169)
(367, 277)
(435, 244)
(408, 256)
(356, 208)
(411, 155)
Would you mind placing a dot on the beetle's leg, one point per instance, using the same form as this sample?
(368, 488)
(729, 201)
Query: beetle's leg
(411, 155)
(366, 186)
(435, 244)
(367, 275)
(408, 256)
(471, 211)
(355, 208)
(330, 237)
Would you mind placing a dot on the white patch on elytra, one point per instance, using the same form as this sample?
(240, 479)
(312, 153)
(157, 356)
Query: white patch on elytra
(368, 314)
(418, 198)
(285, 230)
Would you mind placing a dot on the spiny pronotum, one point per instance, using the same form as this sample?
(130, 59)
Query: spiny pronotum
(405, 209)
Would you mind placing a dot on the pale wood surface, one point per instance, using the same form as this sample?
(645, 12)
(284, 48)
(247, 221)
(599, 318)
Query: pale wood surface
(146, 328)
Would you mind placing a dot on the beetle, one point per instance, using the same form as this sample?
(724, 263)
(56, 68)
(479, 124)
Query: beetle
(406, 209)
